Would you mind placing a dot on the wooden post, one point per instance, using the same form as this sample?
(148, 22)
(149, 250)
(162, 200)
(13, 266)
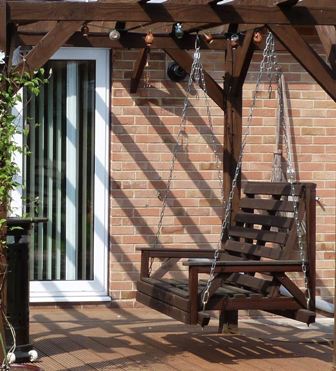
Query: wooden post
(3, 26)
(237, 61)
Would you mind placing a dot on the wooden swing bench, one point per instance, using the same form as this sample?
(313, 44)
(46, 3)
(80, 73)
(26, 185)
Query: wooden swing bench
(260, 249)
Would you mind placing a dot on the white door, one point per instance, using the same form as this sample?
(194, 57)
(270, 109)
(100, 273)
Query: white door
(66, 177)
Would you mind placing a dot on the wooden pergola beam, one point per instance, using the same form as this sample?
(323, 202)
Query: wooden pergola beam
(48, 45)
(327, 35)
(127, 40)
(184, 60)
(285, 2)
(244, 57)
(307, 57)
(138, 69)
(166, 12)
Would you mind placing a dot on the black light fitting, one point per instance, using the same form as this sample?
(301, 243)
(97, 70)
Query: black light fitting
(175, 72)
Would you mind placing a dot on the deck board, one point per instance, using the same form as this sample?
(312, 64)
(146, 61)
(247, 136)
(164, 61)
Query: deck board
(100, 338)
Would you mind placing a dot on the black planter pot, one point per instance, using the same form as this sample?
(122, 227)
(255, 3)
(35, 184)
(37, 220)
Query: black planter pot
(18, 237)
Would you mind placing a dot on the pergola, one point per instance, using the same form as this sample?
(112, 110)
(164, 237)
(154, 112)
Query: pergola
(45, 26)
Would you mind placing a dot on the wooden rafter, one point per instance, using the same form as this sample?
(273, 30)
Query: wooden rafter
(307, 57)
(285, 2)
(48, 45)
(244, 57)
(327, 35)
(129, 40)
(183, 58)
(166, 12)
(138, 69)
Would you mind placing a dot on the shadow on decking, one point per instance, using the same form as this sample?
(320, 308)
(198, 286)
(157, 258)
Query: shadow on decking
(107, 339)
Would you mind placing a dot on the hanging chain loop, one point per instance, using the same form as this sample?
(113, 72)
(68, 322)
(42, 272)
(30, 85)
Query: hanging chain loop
(269, 66)
(291, 174)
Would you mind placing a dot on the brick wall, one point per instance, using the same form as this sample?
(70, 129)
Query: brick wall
(143, 129)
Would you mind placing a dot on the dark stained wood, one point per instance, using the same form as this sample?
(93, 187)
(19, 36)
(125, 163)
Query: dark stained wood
(235, 285)
(311, 242)
(48, 45)
(165, 308)
(177, 252)
(285, 2)
(263, 220)
(215, 92)
(292, 288)
(165, 293)
(133, 40)
(193, 295)
(144, 272)
(269, 205)
(243, 60)
(138, 69)
(3, 26)
(327, 35)
(274, 188)
(228, 321)
(257, 234)
(252, 249)
(203, 13)
(307, 57)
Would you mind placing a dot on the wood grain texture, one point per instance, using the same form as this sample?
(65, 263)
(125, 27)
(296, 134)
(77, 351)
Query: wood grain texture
(3, 26)
(138, 69)
(203, 13)
(307, 57)
(48, 45)
(181, 57)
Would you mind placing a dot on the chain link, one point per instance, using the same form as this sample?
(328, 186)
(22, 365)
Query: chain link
(291, 174)
(196, 77)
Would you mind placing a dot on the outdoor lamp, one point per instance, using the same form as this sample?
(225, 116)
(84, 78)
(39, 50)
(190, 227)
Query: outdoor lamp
(178, 30)
(175, 72)
(114, 34)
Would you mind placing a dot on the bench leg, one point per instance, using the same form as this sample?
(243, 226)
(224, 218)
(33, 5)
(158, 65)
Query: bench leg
(228, 322)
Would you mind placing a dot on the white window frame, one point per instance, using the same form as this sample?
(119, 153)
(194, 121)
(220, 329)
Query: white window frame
(97, 289)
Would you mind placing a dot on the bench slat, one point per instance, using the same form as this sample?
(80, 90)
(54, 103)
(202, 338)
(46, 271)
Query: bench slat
(254, 250)
(264, 220)
(266, 204)
(258, 234)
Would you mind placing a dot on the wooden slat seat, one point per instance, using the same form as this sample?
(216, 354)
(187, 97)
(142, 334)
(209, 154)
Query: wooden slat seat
(257, 258)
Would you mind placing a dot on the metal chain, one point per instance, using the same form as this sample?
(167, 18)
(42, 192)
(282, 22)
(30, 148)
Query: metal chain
(196, 76)
(265, 67)
(291, 173)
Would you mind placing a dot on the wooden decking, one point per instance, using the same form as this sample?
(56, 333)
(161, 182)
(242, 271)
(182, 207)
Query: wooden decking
(109, 339)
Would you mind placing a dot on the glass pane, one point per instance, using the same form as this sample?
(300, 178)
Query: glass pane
(59, 172)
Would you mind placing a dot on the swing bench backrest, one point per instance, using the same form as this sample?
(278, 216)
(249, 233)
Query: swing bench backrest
(265, 229)
(264, 226)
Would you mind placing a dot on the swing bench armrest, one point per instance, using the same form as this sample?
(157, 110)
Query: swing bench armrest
(176, 252)
(280, 266)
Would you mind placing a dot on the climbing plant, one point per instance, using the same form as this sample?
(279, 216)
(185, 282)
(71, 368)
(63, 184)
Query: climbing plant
(10, 83)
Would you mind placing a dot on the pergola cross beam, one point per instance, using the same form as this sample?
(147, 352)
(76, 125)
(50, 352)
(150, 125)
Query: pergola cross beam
(307, 57)
(48, 45)
(138, 69)
(28, 11)
(184, 60)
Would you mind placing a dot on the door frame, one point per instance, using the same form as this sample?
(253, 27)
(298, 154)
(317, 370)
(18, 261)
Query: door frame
(97, 289)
